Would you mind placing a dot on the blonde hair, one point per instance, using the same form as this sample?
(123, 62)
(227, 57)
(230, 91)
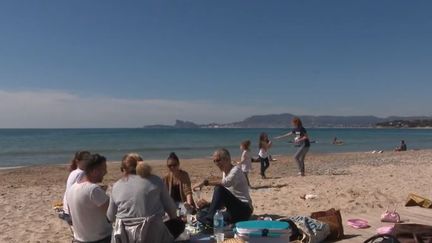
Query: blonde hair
(143, 169)
(129, 163)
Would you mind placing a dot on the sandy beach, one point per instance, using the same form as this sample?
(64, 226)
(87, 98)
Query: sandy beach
(360, 184)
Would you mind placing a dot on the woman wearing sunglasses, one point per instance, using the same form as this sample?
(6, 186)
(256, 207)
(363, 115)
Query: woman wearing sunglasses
(178, 183)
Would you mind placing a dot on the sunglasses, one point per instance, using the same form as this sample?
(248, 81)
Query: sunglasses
(172, 166)
(217, 160)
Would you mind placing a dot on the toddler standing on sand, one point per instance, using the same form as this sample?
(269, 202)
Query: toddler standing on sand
(246, 159)
(264, 146)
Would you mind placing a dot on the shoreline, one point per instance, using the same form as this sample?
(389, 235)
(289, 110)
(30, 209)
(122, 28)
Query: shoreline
(235, 158)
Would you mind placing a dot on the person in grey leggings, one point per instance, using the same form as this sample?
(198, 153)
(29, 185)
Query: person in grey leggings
(299, 157)
(301, 140)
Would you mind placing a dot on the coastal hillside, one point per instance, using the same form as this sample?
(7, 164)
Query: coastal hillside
(283, 121)
(406, 123)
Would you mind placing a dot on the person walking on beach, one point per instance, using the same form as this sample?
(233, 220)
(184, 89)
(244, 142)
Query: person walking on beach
(88, 203)
(301, 140)
(232, 192)
(246, 159)
(264, 145)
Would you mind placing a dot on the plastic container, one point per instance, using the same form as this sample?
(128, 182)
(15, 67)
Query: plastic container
(218, 226)
(263, 229)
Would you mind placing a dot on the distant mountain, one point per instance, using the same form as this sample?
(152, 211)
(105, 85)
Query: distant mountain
(178, 124)
(406, 123)
(284, 121)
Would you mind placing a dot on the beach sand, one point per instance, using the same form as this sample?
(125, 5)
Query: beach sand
(360, 184)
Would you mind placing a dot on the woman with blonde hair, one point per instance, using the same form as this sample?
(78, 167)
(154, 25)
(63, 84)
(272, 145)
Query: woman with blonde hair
(301, 140)
(135, 196)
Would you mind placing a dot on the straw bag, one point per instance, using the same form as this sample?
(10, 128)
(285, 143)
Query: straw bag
(334, 219)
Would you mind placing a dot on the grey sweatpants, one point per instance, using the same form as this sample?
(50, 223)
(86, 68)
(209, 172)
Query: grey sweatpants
(299, 157)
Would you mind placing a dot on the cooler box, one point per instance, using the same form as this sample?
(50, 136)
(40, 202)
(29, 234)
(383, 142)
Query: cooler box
(257, 231)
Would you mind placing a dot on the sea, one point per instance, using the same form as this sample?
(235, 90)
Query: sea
(23, 147)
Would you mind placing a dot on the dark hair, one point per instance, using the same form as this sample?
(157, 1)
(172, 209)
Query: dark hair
(92, 162)
(79, 156)
(246, 144)
(263, 139)
(173, 156)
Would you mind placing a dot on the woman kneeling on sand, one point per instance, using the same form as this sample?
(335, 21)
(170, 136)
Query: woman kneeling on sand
(178, 183)
(135, 196)
(232, 192)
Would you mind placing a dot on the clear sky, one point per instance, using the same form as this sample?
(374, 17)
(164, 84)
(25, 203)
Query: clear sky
(132, 63)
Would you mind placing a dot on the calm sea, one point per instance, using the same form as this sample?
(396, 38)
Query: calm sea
(56, 146)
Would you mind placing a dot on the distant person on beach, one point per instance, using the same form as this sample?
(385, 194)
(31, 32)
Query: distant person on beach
(135, 196)
(302, 140)
(245, 159)
(178, 183)
(264, 145)
(88, 203)
(402, 146)
(76, 172)
(232, 192)
(336, 141)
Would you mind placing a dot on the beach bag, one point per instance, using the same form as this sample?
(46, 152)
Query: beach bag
(390, 216)
(334, 219)
(416, 200)
(263, 231)
(314, 231)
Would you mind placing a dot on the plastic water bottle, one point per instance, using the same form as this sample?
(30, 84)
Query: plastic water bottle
(218, 226)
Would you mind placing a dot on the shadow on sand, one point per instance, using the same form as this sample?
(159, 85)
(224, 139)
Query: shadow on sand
(268, 186)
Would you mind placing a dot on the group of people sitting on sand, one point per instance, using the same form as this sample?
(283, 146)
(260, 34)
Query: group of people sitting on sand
(149, 202)
(146, 199)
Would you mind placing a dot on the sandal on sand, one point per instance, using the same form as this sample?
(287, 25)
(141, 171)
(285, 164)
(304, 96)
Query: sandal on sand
(358, 223)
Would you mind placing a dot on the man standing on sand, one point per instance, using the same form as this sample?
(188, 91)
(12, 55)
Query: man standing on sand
(88, 203)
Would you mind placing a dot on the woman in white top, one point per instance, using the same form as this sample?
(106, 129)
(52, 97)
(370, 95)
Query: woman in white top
(246, 159)
(75, 174)
(264, 146)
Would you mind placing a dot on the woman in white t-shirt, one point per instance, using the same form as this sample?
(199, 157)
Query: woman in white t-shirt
(246, 159)
(75, 174)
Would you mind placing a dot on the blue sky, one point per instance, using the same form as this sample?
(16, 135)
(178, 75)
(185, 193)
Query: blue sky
(131, 63)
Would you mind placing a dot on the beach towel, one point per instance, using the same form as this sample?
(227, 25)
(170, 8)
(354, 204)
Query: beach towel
(314, 231)
(416, 200)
